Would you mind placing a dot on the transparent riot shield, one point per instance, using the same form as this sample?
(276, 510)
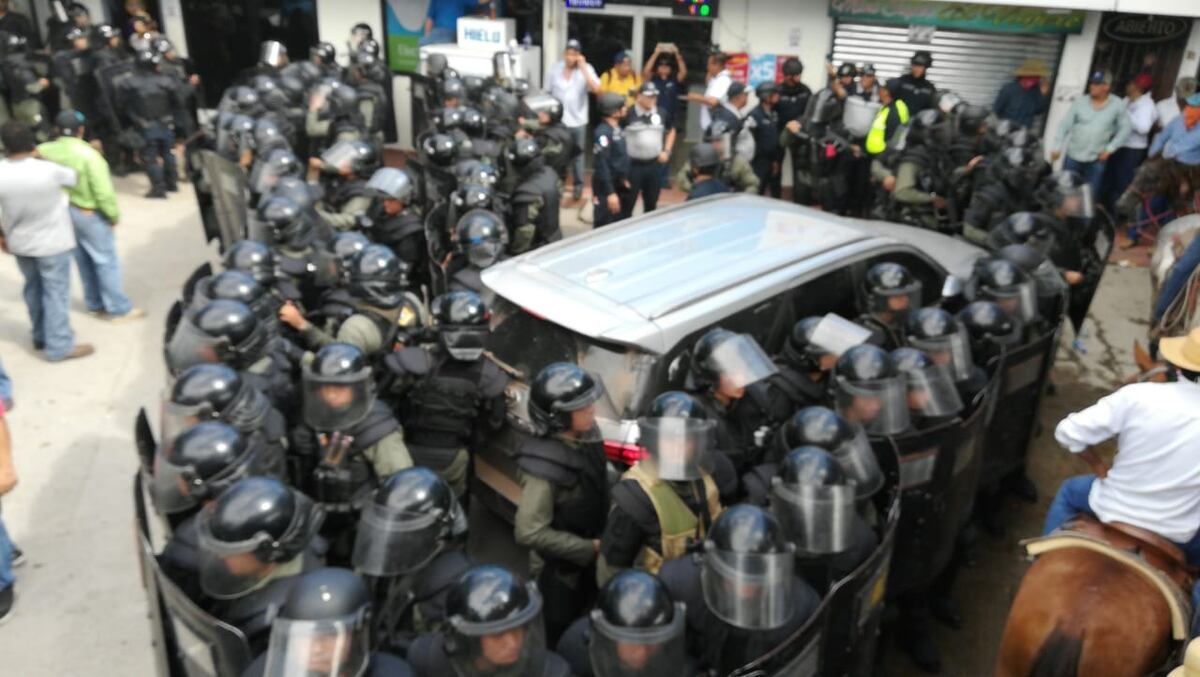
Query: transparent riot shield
(1094, 254)
(227, 183)
(203, 645)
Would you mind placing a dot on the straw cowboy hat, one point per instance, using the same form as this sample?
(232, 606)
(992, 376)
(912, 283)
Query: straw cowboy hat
(1182, 351)
(1033, 68)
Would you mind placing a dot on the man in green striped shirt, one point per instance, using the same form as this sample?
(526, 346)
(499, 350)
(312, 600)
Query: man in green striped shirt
(94, 213)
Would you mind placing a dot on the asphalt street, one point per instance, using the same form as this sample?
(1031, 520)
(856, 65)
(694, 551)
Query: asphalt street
(80, 607)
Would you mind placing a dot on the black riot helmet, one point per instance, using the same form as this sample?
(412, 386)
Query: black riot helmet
(438, 149)
(870, 391)
(367, 50)
(107, 32)
(1025, 257)
(238, 286)
(938, 334)
(324, 51)
(245, 99)
(847, 70)
(865, 363)
(216, 385)
(392, 183)
(802, 350)
(931, 389)
(635, 608)
(473, 196)
(453, 88)
(891, 290)
(1001, 281)
(523, 151)
(323, 627)
(258, 516)
(345, 245)
(351, 156)
(676, 404)
(824, 428)
(254, 258)
(813, 498)
(748, 569)
(220, 331)
(408, 521)
(76, 33)
(971, 119)
(201, 463)
(378, 276)
(991, 330)
(336, 388)
(610, 103)
(559, 389)
(211, 392)
(288, 224)
(1067, 194)
(812, 466)
(481, 236)
(269, 136)
(489, 600)
(461, 319)
(474, 123)
(704, 159)
(435, 65)
(792, 66)
(922, 58)
(1020, 228)
(148, 59)
(474, 86)
(721, 357)
(921, 127)
(446, 120)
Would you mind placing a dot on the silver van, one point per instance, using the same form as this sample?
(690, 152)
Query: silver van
(628, 301)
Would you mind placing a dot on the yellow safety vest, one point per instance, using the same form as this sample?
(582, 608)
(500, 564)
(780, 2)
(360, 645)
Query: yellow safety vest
(877, 137)
(676, 522)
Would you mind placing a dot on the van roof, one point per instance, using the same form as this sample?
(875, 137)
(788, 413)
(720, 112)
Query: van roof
(620, 282)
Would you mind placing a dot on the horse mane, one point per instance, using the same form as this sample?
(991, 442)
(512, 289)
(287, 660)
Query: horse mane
(1059, 656)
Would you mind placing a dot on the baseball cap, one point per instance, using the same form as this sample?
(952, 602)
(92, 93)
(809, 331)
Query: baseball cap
(648, 89)
(1100, 77)
(575, 45)
(1193, 100)
(69, 120)
(1144, 81)
(735, 89)
(620, 56)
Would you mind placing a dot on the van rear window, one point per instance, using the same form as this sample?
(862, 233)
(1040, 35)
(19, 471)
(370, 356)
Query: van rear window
(529, 343)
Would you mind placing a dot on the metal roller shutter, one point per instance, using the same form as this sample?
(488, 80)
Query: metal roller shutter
(975, 65)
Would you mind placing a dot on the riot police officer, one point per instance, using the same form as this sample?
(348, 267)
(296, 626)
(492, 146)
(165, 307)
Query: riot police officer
(494, 627)
(106, 124)
(742, 594)
(349, 439)
(481, 242)
(324, 55)
(542, 117)
(668, 500)
(255, 540)
(915, 91)
(735, 170)
(793, 98)
(397, 222)
(635, 630)
(198, 466)
(215, 392)
(1007, 190)
(932, 395)
(808, 356)
(936, 332)
(723, 366)
(24, 85)
(71, 71)
(892, 293)
(344, 169)
(324, 628)
(612, 192)
(153, 102)
(649, 139)
(1002, 282)
(565, 492)
(535, 199)
(333, 115)
(411, 537)
(705, 164)
(990, 329)
(768, 154)
(869, 390)
(220, 331)
(449, 393)
(258, 261)
(923, 193)
(292, 230)
(1049, 283)
(819, 427)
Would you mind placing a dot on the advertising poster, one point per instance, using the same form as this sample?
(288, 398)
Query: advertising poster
(405, 25)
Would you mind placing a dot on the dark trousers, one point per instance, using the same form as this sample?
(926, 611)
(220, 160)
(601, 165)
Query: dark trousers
(158, 158)
(601, 216)
(770, 184)
(1121, 167)
(645, 176)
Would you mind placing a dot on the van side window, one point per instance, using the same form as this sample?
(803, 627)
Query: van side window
(930, 276)
(833, 292)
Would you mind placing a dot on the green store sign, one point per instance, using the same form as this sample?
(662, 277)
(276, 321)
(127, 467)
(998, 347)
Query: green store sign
(1011, 19)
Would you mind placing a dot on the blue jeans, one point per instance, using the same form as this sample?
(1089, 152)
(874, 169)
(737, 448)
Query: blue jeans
(47, 296)
(576, 168)
(158, 158)
(1092, 173)
(99, 268)
(1176, 280)
(6, 557)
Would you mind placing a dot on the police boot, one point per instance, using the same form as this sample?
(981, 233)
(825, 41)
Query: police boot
(920, 647)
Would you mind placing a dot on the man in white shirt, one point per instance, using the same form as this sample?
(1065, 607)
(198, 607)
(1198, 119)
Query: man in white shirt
(570, 80)
(1125, 161)
(1154, 482)
(37, 230)
(716, 85)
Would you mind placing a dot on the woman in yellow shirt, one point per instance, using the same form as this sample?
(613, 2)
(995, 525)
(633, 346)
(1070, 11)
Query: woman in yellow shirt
(622, 78)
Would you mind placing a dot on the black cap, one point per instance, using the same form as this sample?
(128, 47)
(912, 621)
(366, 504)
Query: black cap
(69, 121)
(648, 89)
(922, 58)
(735, 89)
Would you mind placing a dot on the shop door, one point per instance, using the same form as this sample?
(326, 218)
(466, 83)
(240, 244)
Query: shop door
(1129, 44)
(693, 37)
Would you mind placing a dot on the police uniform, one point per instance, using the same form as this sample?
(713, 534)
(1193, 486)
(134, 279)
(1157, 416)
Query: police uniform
(767, 151)
(153, 101)
(24, 92)
(735, 174)
(535, 218)
(917, 93)
(373, 330)
(445, 402)
(645, 137)
(610, 174)
(254, 612)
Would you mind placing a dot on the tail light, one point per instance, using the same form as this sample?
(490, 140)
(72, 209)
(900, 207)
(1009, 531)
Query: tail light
(533, 314)
(619, 452)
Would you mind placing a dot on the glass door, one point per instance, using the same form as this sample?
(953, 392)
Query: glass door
(602, 36)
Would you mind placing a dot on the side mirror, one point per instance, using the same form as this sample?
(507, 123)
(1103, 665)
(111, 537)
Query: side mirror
(952, 287)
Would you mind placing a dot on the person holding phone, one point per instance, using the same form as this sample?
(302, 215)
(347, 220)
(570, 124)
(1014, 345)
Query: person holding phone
(570, 82)
(666, 70)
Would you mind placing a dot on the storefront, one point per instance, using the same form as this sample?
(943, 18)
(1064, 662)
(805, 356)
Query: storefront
(1129, 44)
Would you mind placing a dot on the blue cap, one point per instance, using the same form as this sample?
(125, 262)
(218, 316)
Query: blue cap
(620, 56)
(1100, 77)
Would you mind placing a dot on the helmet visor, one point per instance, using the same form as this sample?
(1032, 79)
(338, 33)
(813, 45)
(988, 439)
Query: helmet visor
(748, 590)
(677, 449)
(512, 646)
(741, 361)
(858, 460)
(642, 652)
(332, 647)
(483, 252)
(880, 406)
(1078, 202)
(266, 174)
(819, 519)
(835, 334)
(931, 392)
(1019, 301)
(391, 183)
(335, 402)
(897, 303)
(176, 418)
(394, 543)
(464, 342)
(953, 350)
(230, 569)
(339, 157)
(177, 488)
(190, 346)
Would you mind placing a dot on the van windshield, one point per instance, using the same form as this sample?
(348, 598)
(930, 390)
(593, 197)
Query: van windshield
(529, 343)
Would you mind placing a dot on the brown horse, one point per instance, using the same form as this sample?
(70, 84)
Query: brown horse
(1080, 613)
